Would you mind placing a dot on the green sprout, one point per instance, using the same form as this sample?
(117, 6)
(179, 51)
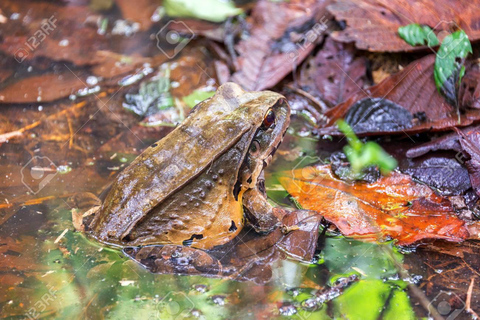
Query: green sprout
(363, 155)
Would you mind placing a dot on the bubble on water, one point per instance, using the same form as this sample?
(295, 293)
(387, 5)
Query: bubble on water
(64, 169)
(219, 300)
(310, 304)
(202, 288)
(64, 43)
(40, 108)
(287, 310)
(294, 291)
(91, 80)
(196, 313)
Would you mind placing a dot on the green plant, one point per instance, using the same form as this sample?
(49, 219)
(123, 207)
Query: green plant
(362, 155)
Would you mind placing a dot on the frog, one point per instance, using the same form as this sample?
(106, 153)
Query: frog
(201, 184)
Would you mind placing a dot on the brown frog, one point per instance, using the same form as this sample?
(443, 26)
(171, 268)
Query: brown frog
(191, 187)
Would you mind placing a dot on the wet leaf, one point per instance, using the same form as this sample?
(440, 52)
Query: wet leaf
(446, 175)
(471, 147)
(43, 88)
(197, 96)
(449, 64)
(386, 17)
(345, 256)
(140, 11)
(334, 73)
(367, 300)
(414, 90)
(277, 41)
(465, 142)
(393, 207)
(377, 114)
(210, 10)
(415, 34)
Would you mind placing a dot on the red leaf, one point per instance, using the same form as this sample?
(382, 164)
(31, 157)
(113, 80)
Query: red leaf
(393, 207)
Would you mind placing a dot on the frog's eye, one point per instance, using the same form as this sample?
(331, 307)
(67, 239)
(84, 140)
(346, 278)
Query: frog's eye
(269, 119)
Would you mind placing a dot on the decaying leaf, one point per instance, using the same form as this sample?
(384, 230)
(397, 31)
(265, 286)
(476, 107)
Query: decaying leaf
(373, 24)
(465, 142)
(43, 88)
(334, 73)
(414, 90)
(282, 36)
(393, 207)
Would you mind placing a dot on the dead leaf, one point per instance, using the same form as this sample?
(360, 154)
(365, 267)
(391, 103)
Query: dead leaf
(470, 143)
(373, 24)
(393, 207)
(277, 42)
(414, 89)
(140, 11)
(465, 142)
(43, 88)
(66, 36)
(334, 73)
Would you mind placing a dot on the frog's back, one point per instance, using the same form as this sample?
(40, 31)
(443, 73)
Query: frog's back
(168, 165)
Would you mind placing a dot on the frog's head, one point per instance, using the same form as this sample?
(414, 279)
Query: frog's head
(269, 115)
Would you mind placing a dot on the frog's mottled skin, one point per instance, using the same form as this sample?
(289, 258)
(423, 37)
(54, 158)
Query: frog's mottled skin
(189, 186)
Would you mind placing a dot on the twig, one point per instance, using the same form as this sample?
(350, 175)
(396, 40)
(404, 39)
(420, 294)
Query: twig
(469, 300)
(4, 137)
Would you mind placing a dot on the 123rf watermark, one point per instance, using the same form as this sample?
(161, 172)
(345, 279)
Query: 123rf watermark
(308, 38)
(32, 43)
(42, 304)
(448, 304)
(175, 305)
(166, 35)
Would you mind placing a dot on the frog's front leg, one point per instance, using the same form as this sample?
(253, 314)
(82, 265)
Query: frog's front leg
(263, 217)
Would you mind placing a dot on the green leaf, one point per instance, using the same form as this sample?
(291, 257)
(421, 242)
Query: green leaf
(373, 299)
(197, 96)
(449, 69)
(399, 307)
(363, 155)
(343, 257)
(210, 10)
(415, 34)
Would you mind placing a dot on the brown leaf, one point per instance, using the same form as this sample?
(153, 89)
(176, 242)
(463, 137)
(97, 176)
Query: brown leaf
(393, 207)
(140, 11)
(470, 143)
(66, 36)
(43, 88)
(413, 89)
(277, 43)
(373, 24)
(334, 73)
(466, 141)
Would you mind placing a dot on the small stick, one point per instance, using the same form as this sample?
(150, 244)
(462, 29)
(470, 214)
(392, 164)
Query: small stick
(469, 300)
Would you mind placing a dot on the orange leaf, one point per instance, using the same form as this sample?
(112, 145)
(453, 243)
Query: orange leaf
(393, 207)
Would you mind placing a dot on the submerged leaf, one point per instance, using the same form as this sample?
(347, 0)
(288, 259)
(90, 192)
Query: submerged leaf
(197, 96)
(393, 207)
